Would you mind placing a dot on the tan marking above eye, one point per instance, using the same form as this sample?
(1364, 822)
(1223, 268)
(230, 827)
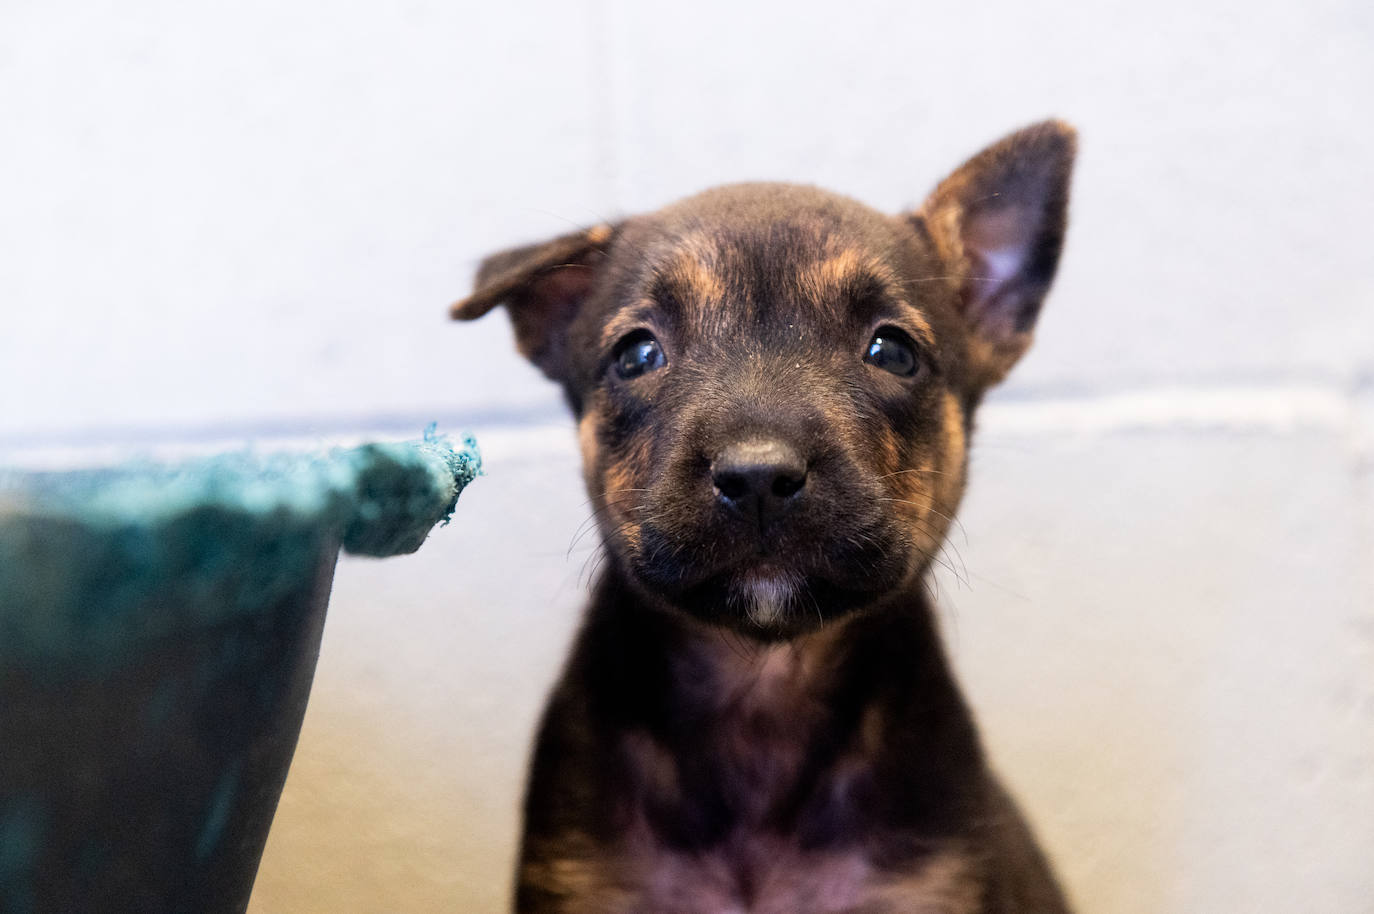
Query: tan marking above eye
(826, 281)
(695, 279)
(825, 278)
(639, 317)
(915, 323)
(692, 280)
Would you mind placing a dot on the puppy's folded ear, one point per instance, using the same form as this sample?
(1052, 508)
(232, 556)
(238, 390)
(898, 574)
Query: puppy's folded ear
(542, 286)
(998, 223)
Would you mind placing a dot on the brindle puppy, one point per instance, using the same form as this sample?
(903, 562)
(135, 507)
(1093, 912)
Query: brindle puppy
(774, 389)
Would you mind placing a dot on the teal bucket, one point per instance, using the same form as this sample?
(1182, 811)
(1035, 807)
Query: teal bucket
(159, 628)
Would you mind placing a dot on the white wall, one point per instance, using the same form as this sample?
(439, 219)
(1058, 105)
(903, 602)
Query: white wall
(247, 220)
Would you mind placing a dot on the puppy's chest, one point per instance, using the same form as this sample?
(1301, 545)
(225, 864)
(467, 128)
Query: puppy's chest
(753, 743)
(760, 807)
(782, 855)
(718, 819)
(750, 872)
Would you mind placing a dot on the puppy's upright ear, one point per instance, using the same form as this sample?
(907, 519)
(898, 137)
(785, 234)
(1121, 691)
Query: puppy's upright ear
(998, 224)
(543, 287)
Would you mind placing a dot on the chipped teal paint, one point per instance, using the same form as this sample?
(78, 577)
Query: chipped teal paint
(93, 563)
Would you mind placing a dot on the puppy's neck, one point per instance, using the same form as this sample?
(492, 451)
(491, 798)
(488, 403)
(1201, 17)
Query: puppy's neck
(722, 732)
(665, 671)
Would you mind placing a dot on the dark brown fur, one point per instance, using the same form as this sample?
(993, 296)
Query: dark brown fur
(757, 714)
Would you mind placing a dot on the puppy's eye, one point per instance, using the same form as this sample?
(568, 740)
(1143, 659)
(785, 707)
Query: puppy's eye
(893, 351)
(637, 354)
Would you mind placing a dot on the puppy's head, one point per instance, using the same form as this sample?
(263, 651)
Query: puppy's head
(774, 385)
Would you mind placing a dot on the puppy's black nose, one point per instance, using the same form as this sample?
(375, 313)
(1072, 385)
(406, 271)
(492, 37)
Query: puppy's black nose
(759, 477)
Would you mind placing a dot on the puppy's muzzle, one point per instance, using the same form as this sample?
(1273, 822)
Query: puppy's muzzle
(760, 479)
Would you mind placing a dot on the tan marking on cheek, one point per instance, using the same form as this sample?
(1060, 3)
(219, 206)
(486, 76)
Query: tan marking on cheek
(890, 449)
(955, 443)
(929, 493)
(916, 494)
(619, 479)
(948, 484)
(586, 441)
(592, 472)
(910, 485)
(621, 501)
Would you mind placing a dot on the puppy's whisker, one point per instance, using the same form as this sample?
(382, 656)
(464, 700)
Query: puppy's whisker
(586, 565)
(924, 279)
(919, 471)
(602, 497)
(592, 566)
(930, 506)
(945, 542)
(942, 562)
(942, 547)
(606, 492)
(593, 520)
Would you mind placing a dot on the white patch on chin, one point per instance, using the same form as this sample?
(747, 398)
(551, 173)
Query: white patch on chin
(766, 597)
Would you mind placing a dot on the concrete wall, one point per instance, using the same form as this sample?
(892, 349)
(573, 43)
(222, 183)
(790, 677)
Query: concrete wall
(247, 221)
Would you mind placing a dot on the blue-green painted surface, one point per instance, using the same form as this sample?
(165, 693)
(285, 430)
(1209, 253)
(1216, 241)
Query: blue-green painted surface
(217, 816)
(94, 562)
